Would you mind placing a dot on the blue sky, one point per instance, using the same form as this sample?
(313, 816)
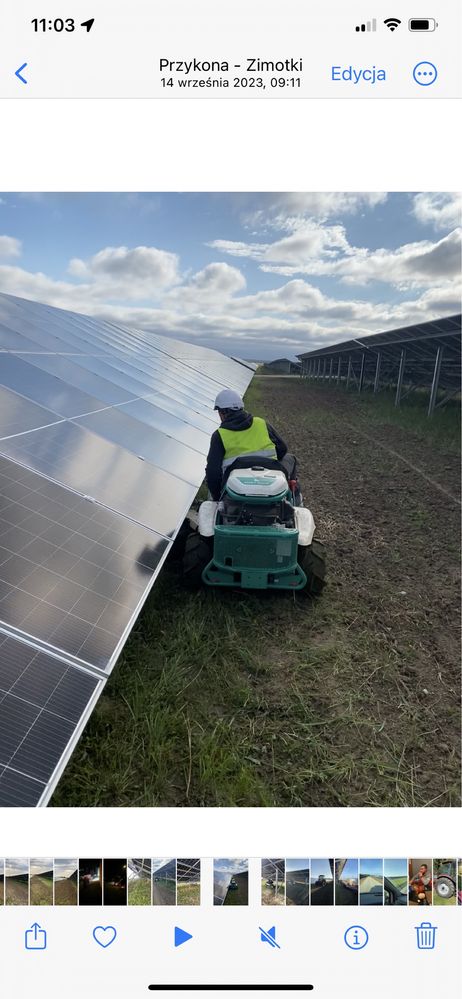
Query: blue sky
(373, 867)
(258, 275)
(395, 868)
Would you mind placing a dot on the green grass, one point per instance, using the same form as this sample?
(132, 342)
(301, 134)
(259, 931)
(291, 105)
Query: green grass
(188, 894)
(443, 428)
(139, 891)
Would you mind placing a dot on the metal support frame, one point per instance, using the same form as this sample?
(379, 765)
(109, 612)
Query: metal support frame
(339, 370)
(324, 369)
(435, 382)
(330, 368)
(361, 373)
(377, 372)
(349, 371)
(399, 386)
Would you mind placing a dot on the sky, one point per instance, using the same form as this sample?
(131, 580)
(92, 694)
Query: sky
(231, 865)
(374, 867)
(293, 864)
(256, 275)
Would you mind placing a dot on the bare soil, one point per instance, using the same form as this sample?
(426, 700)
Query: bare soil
(387, 504)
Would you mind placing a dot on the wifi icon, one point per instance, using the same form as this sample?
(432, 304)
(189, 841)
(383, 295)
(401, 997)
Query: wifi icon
(392, 23)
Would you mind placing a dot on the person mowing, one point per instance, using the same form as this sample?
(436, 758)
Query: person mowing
(242, 436)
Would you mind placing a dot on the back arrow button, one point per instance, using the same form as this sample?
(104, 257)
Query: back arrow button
(19, 71)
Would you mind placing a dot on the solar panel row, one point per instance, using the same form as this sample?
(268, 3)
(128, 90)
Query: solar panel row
(103, 436)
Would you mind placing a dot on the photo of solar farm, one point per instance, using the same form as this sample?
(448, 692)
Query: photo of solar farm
(273, 885)
(230, 881)
(164, 881)
(188, 881)
(139, 881)
(297, 882)
(175, 632)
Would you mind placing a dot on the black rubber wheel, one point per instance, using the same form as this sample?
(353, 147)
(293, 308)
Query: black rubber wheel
(197, 554)
(312, 559)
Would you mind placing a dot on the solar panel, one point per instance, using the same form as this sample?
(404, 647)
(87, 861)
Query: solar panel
(43, 704)
(72, 574)
(103, 436)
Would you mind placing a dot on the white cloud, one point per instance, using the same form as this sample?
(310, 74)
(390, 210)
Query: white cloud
(319, 251)
(441, 210)
(10, 247)
(135, 273)
(289, 211)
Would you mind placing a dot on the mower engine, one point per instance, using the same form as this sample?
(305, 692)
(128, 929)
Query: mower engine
(257, 532)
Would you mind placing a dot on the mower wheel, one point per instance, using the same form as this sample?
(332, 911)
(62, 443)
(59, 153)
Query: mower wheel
(197, 554)
(312, 559)
(445, 888)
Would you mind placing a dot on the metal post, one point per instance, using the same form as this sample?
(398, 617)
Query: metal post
(324, 369)
(377, 372)
(318, 369)
(330, 368)
(361, 373)
(435, 382)
(339, 369)
(399, 386)
(349, 371)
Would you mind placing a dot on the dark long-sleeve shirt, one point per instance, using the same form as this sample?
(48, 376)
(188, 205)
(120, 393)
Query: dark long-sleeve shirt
(238, 421)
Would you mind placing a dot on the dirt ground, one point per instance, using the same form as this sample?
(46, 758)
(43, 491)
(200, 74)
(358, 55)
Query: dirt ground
(386, 503)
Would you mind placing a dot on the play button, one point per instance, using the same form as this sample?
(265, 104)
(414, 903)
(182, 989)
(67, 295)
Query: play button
(181, 936)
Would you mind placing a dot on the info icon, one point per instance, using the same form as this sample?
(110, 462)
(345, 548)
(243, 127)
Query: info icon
(356, 937)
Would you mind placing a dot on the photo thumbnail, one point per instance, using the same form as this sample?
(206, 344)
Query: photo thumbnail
(230, 498)
(297, 882)
(420, 882)
(395, 879)
(16, 881)
(322, 882)
(188, 881)
(41, 881)
(139, 881)
(90, 882)
(164, 881)
(346, 882)
(230, 881)
(273, 886)
(371, 886)
(444, 882)
(66, 881)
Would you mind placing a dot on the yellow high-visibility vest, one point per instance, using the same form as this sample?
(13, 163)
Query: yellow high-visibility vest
(254, 441)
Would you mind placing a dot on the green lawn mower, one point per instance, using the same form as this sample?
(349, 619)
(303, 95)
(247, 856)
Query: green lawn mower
(259, 536)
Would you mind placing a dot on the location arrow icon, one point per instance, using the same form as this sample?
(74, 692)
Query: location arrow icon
(88, 24)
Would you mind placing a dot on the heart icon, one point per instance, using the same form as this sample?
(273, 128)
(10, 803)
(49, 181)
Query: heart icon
(104, 935)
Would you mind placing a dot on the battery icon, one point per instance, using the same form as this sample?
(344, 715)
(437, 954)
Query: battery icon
(422, 24)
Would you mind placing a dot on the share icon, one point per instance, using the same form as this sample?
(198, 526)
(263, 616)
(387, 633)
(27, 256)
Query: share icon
(269, 936)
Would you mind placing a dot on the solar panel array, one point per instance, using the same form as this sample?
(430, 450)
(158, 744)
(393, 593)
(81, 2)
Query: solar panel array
(104, 432)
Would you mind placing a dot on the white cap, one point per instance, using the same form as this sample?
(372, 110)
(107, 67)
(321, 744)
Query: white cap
(228, 399)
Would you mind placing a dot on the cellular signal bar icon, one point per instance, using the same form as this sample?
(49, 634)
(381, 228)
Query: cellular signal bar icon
(368, 26)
